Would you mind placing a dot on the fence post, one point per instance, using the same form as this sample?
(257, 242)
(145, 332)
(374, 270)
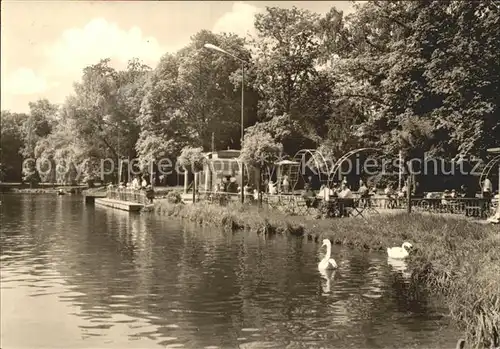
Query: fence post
(408, 194)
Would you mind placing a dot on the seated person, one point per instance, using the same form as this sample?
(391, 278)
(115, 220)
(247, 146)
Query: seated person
(463, 191)
(321, 192)
(272, 188)
(345, 192)
(135, 183)
(363, 191)
(324, 193)
(446, 195)
(308, 196)
(403, 191)
(266, 185)
(232, 187)
(286, 184)
(346, 197)
(389, 193)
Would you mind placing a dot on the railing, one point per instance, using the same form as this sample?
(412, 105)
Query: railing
(296, 204)
(221, 198)
(466, 206)
(130, 195)
(474, 207)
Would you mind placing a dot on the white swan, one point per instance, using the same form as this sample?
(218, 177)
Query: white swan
(399, 252)
(327, 262)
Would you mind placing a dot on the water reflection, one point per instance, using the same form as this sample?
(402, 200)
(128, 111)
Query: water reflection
(400, 266)
(76, 276)
(328, 276)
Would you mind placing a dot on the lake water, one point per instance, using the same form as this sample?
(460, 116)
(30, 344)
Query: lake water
(77, 276)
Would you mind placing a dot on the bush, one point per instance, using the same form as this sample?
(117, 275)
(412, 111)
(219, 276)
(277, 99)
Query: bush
(174, 197)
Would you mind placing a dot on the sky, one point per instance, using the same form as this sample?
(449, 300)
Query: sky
(46, 44)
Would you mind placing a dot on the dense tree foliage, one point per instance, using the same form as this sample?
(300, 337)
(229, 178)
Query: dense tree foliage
(11, 143)
(417, 76)
(192, 159)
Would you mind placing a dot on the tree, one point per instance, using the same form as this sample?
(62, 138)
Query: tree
(192, 160)
(211, 103)
(105, 108)
(11, 143)
(468, 92)
(289, 76)
(283, 130)
(191, 96)
(260, 150)
(37, 126)
(163, 130)
(406, 59)
(61, 156)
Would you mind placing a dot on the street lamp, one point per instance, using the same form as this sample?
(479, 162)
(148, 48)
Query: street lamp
(496, 217)
(242, 61)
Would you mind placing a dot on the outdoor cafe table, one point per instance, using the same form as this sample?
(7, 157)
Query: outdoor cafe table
(341, 207)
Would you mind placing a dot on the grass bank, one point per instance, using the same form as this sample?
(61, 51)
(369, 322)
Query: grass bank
(454, 258)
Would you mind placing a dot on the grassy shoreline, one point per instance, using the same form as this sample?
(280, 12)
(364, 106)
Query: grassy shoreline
(455, 258)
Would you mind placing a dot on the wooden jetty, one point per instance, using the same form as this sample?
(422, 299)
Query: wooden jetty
(92, 194)
(119, 204)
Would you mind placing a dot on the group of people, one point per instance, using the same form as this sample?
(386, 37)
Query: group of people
(227, 185)
(326, 192)
(273, 188)
(135, 184)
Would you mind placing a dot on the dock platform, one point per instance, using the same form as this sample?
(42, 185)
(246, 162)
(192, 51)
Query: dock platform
(118, 204)
(91, 195)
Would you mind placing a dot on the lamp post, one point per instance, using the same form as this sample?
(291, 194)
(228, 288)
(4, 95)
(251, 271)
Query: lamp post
(496, 217)
(216, 48)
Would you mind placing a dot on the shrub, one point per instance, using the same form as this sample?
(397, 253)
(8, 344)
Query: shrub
(174, 197)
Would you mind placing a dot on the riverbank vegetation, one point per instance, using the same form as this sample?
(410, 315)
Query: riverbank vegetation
(454, 258)
(389, 75)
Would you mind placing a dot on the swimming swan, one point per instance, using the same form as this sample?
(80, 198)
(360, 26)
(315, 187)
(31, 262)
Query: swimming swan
(399, 252)
(327, 262)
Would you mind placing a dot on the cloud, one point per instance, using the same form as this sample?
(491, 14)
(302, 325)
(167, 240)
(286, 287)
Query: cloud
(23, 81)
(98, 39)
(240, 20)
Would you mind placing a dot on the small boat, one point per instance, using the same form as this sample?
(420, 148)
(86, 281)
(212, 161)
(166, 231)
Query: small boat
(60, 192)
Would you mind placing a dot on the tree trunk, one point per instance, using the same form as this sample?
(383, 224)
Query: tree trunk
(259, 186)
(194, 187)
(408, 193)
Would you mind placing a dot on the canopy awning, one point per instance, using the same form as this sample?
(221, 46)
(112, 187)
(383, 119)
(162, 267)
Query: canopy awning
(287, 162)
